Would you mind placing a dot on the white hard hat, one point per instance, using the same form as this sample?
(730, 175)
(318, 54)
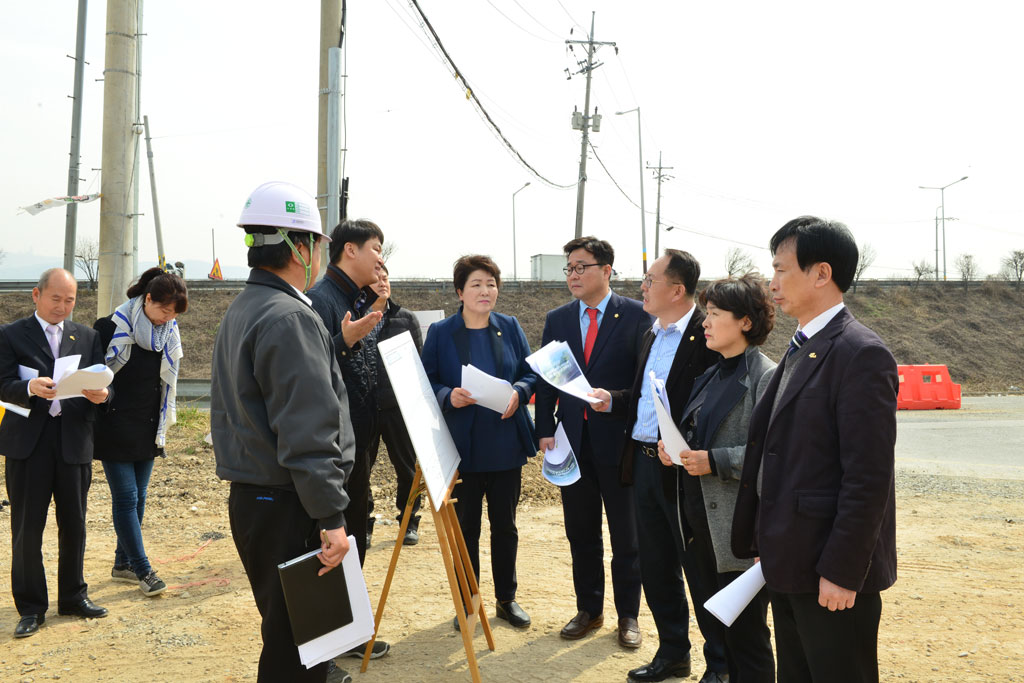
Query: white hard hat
(282, 205)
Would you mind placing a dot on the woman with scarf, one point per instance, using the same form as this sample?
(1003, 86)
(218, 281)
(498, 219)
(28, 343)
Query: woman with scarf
(143, 349)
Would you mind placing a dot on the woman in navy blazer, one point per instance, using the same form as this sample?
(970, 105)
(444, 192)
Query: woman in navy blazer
(493, 447)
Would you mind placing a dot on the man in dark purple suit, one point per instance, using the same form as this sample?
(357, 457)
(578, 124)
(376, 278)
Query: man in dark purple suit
(817, 500)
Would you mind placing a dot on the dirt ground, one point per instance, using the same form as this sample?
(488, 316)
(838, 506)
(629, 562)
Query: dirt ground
(955, 613)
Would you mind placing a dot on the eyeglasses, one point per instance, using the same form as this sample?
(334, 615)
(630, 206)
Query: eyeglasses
(579, 268)
(649, 280)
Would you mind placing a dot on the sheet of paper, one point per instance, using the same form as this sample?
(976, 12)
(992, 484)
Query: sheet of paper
(64, 366)
(674, 441)
(11, 408)
(557, 366)
(727, 603)
(435, 451)
(25, 372)
(488, 391)
(560, 466)
(73, 383)
(330, 645)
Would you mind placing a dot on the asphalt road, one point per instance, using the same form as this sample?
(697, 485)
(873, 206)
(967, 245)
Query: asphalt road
(985, 439)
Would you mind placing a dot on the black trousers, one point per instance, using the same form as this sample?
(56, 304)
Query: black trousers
(581, 509)
(358, 485)
(817, 645)
(391, 427)
(502, 492)
(31, 483)
(270, 526)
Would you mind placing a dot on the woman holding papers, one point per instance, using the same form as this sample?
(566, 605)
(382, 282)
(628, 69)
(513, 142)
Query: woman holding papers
(739, 316)
(493, 444)
(143, 348)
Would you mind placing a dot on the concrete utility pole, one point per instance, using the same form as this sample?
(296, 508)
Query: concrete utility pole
(119, 117)
(74, 165)
(585, 122)
(659, 175)
(330, 37)
(135, 163)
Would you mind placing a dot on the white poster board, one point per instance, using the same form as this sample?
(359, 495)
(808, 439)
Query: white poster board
(435, 451)
(426, 319)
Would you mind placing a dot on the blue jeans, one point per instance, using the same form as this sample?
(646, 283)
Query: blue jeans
(128, 482)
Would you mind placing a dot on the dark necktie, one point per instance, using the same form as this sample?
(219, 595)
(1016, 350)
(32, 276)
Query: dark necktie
(797, 341)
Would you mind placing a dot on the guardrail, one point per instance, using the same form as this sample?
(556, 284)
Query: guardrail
(446, 284)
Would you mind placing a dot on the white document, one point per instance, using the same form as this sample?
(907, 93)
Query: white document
(488, 391)
(330, 645)
(557, 366)
(72, 383)
(727, 603)
(12, 408)
(435, 451)
(560, 466)
(674, 441)
(25, 372)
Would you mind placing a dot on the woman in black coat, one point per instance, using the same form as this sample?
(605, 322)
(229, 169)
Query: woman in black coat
(143, 348)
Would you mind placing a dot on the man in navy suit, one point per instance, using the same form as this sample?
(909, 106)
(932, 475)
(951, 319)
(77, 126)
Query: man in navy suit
(49, 453)
(816, 499)
(604, 332)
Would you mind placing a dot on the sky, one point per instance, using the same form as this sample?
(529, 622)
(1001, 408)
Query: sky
(764, 111)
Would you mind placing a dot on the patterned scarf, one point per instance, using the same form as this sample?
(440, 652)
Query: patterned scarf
(133, 327)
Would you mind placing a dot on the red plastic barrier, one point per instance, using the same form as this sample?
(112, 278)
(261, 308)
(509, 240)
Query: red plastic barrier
(927, 387)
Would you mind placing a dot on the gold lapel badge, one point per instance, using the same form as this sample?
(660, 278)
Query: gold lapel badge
(72, 337)
(692, 337)
(499, 333)
(616, 315)
(812, 354)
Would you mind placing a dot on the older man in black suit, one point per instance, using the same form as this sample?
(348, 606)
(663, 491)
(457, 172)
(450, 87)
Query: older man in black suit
(816, 499)
(604, 331)
(49, 453)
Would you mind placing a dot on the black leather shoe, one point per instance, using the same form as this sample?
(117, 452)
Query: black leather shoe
(512, 613)
(86, 608)
(661, 668)
(580, 625)
(29, 625)
(714, 677)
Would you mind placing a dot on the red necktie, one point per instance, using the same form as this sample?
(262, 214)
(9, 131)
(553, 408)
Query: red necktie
(588, 346)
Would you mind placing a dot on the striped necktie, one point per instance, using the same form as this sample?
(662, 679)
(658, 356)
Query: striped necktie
(797, 341)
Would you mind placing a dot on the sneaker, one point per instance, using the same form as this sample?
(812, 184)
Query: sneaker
(150, 584)
(380, 648)
(336, 674)
(124, 574)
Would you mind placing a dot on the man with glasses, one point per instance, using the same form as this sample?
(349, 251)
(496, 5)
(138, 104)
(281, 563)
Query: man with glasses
(604, 332)
(675, 351)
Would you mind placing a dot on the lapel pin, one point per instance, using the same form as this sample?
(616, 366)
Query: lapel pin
(812, 355)
(499, 333)
(72, 337)
(616, 315)
(692, 337)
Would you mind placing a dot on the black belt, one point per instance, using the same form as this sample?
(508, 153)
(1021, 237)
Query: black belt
(648, 449)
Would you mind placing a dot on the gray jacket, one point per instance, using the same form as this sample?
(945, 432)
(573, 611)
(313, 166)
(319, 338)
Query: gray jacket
(727, 446)
(278, 406)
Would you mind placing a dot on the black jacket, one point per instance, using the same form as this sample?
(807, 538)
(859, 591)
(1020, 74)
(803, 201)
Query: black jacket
(396, 321)
(126, 426)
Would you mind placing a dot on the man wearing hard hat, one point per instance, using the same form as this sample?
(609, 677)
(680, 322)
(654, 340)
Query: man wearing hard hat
(279, 416)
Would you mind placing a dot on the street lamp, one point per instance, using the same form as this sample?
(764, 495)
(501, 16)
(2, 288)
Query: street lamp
(643, 212)
(515, 273)
(942, 190)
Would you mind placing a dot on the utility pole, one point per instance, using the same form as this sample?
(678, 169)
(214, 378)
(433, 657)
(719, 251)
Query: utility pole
(659, 175)
(135, 164)
(119, 117)
(332, 27)
(74, 165)
(160, 254)
(585, 122)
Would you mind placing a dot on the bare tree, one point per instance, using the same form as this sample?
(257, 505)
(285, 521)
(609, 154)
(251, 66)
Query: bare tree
(388, 250)
(967, 266)
(87, 259)
(867, 257)
(737, 262)
(1013, 266)
(923, 269)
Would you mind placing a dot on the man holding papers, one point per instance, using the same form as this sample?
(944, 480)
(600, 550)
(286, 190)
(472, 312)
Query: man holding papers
(674, 350)
(494, 436)
(49, 452)
(603, 331)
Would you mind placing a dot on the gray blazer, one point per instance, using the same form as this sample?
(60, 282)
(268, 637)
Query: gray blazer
(727, 446)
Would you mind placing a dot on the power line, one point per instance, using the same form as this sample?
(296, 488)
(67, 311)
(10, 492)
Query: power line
(518, 26)
(537, 21)
(573, 20)
(479, 105)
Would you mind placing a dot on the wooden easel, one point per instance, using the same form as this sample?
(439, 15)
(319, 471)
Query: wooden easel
(469, 607)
